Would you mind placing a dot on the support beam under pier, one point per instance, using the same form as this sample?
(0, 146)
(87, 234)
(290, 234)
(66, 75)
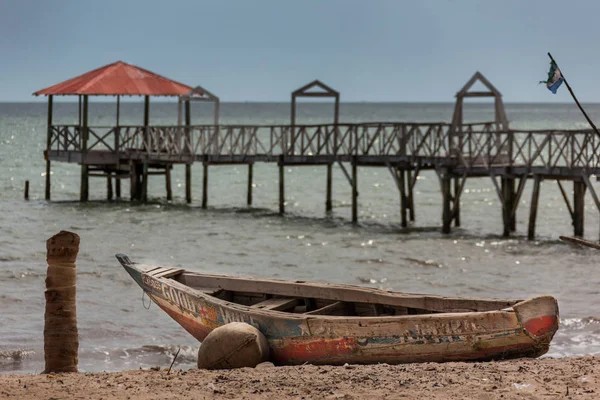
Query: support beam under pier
(328, 202)
(354, 191)
(281, 185)
(188, 183)
(168, 182)
(205, 185)
(578, 207)
(445, 181)
(535, 196)
(250, 173)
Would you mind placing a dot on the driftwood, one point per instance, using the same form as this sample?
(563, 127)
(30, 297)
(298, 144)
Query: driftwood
(580, 241)
(61, 341)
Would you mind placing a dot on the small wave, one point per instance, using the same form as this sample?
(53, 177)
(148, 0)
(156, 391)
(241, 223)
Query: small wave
(576, 337)
(371, 281)
(24, 274)
(15, 355)
(372, 261)
(424, 263)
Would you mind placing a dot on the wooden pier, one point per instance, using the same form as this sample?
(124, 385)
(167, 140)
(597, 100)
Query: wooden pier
(456, 151)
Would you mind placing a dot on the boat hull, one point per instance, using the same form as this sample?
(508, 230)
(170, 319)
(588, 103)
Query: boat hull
(524, 330)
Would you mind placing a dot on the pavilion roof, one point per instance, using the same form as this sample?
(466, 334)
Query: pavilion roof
(118, 78)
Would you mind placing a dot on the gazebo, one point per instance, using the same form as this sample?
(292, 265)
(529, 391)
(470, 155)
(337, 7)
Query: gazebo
(316, 89)
(116, 79)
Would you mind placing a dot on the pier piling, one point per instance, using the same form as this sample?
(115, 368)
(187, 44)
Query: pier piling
(354, 191)
(403, 197)
(145, 182)
(535, 195)
(249, 194)
(456, 203)
(205, 185)
(281, 185)
(188, 183)
(26, 193)
(329, 194)
(168, 182)
(109, 187)
(578, 208)
(118, 186)
(48, 146)
(447, 201)
(411, 199)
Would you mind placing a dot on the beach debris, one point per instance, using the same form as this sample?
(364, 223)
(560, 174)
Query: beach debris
(234, 345)
(61, 340)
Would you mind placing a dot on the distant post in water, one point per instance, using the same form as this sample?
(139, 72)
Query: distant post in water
(61, 341)
(26, 194)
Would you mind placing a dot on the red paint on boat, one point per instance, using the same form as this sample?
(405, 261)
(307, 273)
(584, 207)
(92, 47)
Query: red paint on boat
(308, 350)
(541, 325)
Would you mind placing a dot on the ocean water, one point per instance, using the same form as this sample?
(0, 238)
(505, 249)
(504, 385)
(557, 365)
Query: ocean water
(117, 331)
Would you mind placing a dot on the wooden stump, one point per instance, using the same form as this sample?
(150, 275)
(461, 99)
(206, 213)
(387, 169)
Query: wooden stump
(61, 341)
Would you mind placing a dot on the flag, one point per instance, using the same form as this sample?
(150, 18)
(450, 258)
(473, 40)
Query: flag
(555, 78)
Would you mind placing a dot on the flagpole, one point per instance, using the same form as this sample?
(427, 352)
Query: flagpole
(574, 97)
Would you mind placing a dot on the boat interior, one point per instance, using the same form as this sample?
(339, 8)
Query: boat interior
(313, 298)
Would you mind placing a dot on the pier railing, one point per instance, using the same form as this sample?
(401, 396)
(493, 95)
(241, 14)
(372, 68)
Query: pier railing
(471, 146)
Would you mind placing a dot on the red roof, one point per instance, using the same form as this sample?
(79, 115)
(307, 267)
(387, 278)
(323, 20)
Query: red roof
(118, 79)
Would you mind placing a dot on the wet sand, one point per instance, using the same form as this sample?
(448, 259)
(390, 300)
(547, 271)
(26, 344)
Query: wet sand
(577, 377)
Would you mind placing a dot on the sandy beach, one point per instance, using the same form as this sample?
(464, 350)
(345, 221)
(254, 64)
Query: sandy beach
(517, 379)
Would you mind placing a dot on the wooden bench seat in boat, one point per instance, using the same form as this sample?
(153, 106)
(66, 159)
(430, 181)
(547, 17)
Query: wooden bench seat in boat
(276, 303)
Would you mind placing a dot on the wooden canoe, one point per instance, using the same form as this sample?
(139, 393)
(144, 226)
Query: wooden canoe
(322, 323)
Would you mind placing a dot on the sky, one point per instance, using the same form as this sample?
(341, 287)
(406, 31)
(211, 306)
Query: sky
(261, 50)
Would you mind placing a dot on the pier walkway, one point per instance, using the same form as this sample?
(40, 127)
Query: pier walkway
(509, 157)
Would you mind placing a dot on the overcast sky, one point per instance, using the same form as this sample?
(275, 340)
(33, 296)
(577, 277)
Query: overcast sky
(260, 50)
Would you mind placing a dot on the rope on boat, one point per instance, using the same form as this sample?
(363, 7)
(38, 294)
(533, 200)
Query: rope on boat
(143, 303)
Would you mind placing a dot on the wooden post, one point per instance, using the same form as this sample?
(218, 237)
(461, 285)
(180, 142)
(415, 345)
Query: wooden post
(26, 194)
(456, 206)
(118, 186)
(205, 185)
(188, 183)
(578, 207)
(132, 185)
(249, 197)
(48, 145)
(403, 197)
(61, 341)
(146, 110)
(513, 205)
(117, 146)
(118, 112)
(508, 195)
(447, 202)
(109, 187)
(168, 181)
(145, 182)
(328, 200)
(411, 200)
(188, 165)
(535, 195)
(354, 191)
(84, 189)
(133, 179)
(281, 185)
